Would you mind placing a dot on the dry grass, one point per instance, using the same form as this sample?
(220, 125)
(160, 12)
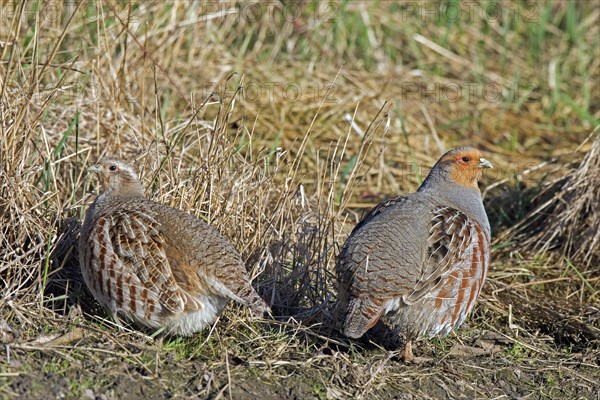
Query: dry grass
(565, 216)
(281, 132)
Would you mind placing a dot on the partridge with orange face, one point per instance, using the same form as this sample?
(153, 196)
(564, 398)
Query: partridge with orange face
(156, 265)
(418, 261)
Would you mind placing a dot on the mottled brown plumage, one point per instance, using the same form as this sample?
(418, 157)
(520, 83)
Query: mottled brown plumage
(418, 261)
(156, 265)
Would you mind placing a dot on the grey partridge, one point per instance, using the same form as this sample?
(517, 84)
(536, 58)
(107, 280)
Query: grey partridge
(418, 261)
(155, 265)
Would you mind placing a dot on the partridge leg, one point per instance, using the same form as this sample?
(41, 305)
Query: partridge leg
(408, 355)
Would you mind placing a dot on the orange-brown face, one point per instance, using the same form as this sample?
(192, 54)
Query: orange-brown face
(465, 166)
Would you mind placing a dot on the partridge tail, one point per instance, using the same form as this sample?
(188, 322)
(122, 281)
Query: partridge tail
(242, 292)
(246, 295)
(361, 317)
(257, 305)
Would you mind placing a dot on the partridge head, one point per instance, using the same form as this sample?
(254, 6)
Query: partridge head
(117, 178)
(462, 166)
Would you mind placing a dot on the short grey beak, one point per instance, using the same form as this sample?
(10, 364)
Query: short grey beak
(96, 168)
(483, 163)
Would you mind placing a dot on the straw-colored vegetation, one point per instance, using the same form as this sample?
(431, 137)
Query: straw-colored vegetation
(280, 123)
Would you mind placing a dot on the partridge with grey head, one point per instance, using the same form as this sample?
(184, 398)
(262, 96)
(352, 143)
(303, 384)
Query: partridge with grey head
(418, 261)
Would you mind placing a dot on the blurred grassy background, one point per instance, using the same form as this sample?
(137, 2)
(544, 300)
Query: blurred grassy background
(280, 122)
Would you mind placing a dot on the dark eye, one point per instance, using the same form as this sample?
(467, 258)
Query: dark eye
(112, 168)
(466, 159)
